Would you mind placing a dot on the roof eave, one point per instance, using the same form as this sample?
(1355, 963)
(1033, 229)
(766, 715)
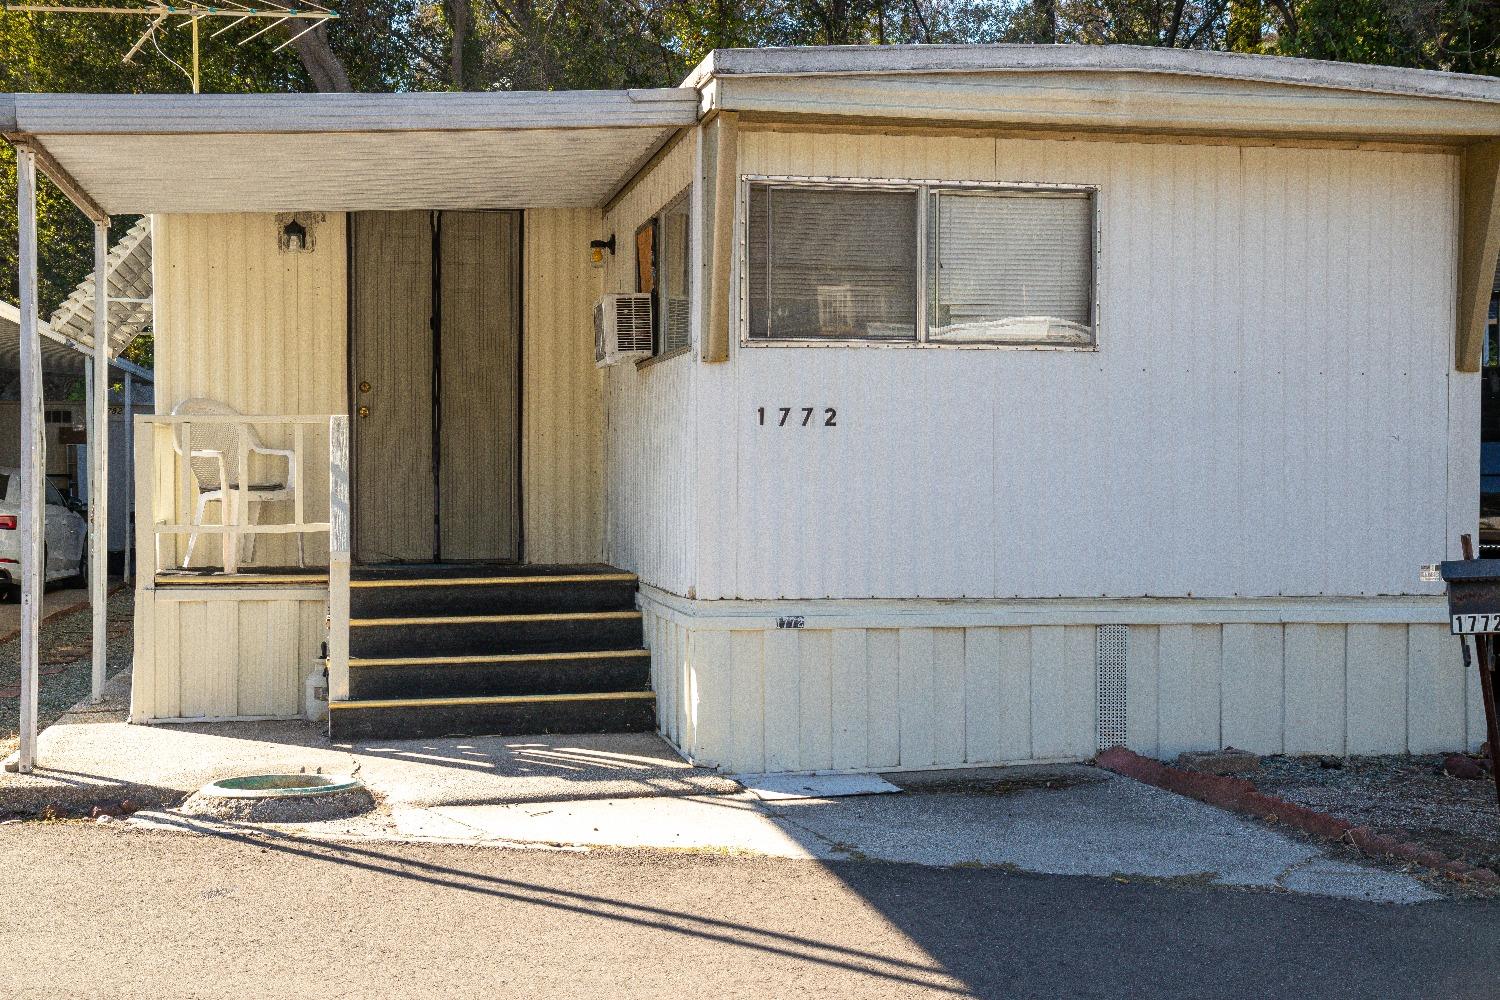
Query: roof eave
(876, 60)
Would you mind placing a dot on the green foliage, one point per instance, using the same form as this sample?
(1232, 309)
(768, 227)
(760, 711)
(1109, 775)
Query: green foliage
(1458, 35)
(55, 53)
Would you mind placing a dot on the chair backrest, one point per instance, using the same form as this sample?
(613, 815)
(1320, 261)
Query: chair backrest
(223, 438)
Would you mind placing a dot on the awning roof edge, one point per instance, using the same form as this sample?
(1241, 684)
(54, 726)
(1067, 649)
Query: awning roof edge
(42, 115)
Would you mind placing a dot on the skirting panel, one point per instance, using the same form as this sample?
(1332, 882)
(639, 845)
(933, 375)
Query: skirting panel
(745, 697)
(226, 654)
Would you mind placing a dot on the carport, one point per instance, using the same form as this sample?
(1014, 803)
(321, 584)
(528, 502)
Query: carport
(86, 334)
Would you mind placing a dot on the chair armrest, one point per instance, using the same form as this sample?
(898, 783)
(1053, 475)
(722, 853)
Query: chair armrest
(286, 453)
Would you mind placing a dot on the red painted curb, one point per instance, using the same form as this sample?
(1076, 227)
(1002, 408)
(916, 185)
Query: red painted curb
(1241, 796)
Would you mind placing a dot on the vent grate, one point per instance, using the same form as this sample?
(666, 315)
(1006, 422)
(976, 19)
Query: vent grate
(1111, 646)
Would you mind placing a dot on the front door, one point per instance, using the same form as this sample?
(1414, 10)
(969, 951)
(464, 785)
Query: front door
(434, 366)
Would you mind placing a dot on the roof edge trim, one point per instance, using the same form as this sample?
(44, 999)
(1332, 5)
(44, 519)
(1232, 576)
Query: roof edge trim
(891, 60)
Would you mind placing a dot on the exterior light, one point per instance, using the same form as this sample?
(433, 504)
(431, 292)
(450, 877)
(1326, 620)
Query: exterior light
(597, 248)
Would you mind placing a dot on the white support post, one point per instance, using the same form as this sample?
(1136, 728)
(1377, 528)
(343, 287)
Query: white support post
(339, 539)
(33, 489)
(129, 456)
(99, 460)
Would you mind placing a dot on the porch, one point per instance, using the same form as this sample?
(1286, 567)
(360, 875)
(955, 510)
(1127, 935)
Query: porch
(292, 301)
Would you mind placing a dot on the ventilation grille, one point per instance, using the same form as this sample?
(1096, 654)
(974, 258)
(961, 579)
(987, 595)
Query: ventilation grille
(622, 328)
(633, 323)
(1111, 645)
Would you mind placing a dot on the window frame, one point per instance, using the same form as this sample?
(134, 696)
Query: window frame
(656, 222)
(920, 188)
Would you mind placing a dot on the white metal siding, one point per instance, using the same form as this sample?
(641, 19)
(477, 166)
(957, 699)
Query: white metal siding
(239, 321)
(225, 655)
(1268, 412)
(651, 496)
(562, 399)
(931, 686)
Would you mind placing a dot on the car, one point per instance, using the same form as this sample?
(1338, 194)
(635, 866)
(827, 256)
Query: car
(66, 538)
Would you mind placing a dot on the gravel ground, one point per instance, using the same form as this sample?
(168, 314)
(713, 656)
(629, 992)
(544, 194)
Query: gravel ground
(1399, 796)
(66, 649)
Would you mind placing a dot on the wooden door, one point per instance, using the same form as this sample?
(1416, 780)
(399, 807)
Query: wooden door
(479, 345)
(392, 387)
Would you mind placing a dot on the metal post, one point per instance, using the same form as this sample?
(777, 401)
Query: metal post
(339, 537)
(33, 489)
(99, 460)
(129, 408)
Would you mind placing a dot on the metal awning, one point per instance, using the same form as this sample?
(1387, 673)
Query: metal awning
(141, 153)
(59, 353)
(129, 273)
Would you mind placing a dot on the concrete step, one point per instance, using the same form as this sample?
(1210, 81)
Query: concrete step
(497, 715)
(573, 672)
(482, 635)
(435, 591)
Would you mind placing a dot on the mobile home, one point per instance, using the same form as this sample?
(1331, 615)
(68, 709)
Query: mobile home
(968, 404)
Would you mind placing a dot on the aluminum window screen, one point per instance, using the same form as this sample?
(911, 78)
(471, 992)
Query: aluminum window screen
(1010, 266)
(831, 263)
(675, 286)
(1111, 646)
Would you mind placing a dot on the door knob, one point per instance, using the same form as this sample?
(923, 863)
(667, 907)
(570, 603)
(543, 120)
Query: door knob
(364, 387)
(363, 411)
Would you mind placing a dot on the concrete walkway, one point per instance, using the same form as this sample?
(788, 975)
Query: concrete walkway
(633, 791)
(91, 755)
(1099, 824)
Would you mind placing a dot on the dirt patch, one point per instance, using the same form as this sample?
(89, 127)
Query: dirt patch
(66, 668)
(1407, 798)
(994, 780)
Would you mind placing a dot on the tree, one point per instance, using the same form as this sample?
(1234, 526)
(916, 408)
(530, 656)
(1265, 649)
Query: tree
(1458, 35)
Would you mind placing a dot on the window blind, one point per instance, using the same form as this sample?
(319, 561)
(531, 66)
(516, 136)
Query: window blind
(1010, 266)
(831, 263)
(675, 294)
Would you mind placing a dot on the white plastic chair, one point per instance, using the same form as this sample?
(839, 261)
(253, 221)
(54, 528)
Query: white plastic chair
(215, 464)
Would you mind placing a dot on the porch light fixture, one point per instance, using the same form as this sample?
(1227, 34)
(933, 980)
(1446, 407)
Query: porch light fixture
(296, 231)
(294, 236)
(597, 248)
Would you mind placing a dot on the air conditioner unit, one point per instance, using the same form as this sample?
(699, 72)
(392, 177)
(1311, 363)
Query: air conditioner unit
(622, 328)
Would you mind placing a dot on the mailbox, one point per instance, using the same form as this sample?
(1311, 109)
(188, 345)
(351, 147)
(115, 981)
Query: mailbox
(1473, 595)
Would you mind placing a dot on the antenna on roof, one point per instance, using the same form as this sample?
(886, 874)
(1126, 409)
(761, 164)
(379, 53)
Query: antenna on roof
(275, 12)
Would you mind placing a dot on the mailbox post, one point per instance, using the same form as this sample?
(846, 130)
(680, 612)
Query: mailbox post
(1474, 614)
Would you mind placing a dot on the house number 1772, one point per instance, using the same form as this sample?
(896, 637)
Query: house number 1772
(797, 416)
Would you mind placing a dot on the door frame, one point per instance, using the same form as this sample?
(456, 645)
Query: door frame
(351, 394)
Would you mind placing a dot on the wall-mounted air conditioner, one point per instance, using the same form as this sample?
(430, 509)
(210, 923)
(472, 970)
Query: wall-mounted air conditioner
(622, 328)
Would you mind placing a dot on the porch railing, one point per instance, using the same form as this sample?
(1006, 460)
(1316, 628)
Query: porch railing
(169, 494)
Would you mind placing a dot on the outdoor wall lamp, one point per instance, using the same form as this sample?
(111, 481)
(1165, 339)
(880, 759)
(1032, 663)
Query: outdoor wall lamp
(597, 248)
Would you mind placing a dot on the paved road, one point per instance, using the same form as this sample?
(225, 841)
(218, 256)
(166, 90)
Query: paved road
(95, 911)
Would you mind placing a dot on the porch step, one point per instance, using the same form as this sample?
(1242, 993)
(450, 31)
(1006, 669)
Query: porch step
(499, 674)
(440, 650)
(433, 591)
(477, 635)
(501, 715)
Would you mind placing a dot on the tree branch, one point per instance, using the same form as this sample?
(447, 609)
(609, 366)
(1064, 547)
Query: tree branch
(323, 67)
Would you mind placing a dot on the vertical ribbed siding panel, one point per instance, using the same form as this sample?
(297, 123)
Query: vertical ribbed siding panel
(225, 656)
(766, 699)
(562, 402)
(650, 496)
(239, 321)
(1272, 364)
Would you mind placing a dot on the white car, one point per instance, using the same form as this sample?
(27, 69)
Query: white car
(66, 544)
